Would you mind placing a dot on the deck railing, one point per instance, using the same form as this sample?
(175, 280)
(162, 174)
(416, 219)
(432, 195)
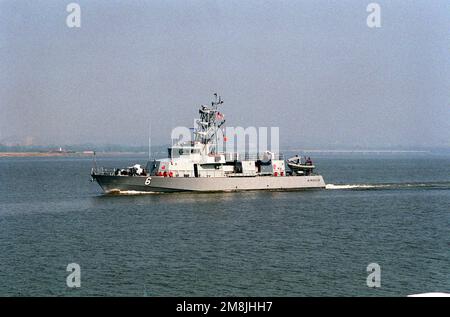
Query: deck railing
(236, 156)
(103, 171)
(110, 171)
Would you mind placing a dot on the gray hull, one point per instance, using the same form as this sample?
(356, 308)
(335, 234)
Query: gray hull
(112, 184)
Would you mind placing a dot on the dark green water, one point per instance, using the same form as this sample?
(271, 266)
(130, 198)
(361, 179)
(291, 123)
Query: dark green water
(309, 243)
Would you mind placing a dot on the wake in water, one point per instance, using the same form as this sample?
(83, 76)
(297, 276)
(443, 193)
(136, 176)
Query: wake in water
(130, 193)
(439, 185)
(353, 186)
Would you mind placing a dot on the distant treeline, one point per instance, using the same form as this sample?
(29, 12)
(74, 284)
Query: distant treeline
(82, 147)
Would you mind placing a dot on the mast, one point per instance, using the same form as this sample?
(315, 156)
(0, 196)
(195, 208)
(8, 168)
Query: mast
(149, 142)
(211, 120)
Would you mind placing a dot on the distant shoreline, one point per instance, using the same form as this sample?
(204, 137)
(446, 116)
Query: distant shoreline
(59, 154)
(40, 154)
(360, 151)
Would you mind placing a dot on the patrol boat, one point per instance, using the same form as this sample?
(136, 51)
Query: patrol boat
(198, 166)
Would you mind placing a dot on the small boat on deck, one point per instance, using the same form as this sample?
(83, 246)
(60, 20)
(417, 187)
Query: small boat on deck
(300, 168)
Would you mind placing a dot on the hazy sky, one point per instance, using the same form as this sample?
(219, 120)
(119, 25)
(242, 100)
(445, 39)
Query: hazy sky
(313, 68)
